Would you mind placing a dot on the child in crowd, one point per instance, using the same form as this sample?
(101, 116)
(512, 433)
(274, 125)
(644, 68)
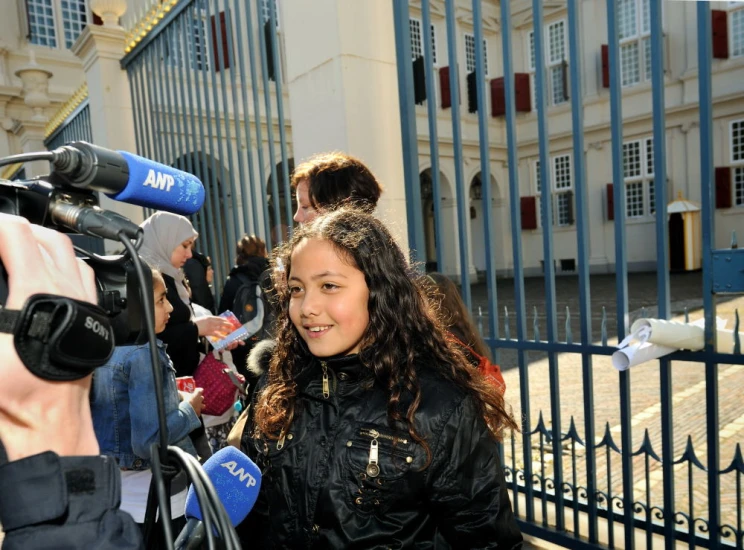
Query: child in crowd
(371, 427)
(125, 419)
(455, 316)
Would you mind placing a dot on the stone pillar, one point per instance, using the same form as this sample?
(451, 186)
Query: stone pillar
(111, 116)
(31, 135)
(343, 90)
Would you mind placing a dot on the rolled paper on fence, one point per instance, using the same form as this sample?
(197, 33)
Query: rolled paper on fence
(671, 334)
(655, 338)
(638, 353)
(674, 334)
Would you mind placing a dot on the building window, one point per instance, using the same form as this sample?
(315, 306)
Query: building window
(417, 41)
(638, 173)
(194, 55)
(48, 20)
(634, 31)
(470, 54)
(737, 160)
(736, 19)
(562, 192)
(557, 64)
(266, 12)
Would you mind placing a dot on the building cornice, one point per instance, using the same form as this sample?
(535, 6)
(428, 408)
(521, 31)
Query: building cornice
(64, 111)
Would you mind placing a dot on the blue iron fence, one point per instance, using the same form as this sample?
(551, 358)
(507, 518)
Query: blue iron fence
(578, 481)
(206, 87)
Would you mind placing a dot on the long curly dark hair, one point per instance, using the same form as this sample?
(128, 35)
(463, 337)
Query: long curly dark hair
(403, 337)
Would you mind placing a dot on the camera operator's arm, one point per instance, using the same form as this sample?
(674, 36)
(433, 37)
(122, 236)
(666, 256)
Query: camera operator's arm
(52, 492)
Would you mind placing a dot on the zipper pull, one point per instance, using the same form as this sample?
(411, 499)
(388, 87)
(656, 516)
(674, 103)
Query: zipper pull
(326, 384)
(280, 443)
(373, 469)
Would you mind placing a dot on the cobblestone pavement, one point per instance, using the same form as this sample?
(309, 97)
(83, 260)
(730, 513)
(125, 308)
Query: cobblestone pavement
(688, 388)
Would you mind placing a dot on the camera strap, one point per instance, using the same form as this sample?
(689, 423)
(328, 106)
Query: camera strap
(59, 338)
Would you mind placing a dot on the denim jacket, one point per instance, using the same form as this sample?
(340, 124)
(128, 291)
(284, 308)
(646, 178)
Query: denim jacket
(125, 411)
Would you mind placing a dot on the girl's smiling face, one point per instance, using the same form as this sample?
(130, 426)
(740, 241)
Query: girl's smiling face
(328, 299)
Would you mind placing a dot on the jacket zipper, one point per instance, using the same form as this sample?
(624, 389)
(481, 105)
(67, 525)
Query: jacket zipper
(326, 383)
(280, 443)
(374, 434)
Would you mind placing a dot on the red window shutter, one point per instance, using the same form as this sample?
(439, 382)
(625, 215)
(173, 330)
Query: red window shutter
(522, 100)
(444, 85)
(610, 203)
(723, 187)
(720, 34)
(220, 35)
(528, 209)
(498, 99)
(605, 66)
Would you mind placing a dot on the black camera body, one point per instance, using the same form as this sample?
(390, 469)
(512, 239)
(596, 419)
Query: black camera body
(47, 201)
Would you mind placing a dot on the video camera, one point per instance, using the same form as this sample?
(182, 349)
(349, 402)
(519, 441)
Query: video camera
(66, 200)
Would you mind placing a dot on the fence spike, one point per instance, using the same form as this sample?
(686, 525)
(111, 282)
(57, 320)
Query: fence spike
(643, 312)
(507, 335)
(646, 448)
(737, 342)
(734, 242)
(687, 315)
(535, 327)
(569, 336)
(603, 326)
(690, 456)
(737, 464)
(480, 320)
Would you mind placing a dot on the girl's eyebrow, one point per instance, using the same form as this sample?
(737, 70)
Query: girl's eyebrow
(320, 275)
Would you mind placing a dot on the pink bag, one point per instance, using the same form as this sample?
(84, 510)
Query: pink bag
(219, 389)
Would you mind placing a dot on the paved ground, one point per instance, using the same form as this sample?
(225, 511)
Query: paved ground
(688, 391)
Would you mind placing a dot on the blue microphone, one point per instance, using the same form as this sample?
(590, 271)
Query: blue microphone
(128, 178)
(236, 480)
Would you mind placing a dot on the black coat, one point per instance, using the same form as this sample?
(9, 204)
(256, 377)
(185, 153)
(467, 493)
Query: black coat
(317, 491)
(180, 334)
(253, 269)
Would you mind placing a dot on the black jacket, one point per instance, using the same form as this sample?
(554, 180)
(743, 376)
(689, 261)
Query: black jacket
(180, 334)
(318, 490)
(49, 501)
(256, 268)
(253, 269)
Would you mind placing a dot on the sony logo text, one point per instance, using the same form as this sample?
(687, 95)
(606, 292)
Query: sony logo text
(96, 327)
(158, 180)
(232, 467)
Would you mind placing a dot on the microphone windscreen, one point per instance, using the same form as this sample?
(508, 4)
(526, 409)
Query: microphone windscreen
(155, 185)
(237, 481)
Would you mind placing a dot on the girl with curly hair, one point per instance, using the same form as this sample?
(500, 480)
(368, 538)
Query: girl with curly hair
(370, 427)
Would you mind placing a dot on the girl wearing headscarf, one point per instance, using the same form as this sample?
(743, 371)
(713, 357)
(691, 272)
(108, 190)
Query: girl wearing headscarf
(166, 246)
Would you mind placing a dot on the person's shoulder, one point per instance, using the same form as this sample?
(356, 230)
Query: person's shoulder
(439, 393)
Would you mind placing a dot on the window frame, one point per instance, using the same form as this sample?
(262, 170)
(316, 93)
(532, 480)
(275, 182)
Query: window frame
(645, 178)
(737, 164)
(58, 19)
(643, 39)
(420, 24)
(266, 14)
(735, 8)
(555, 191)
(550, 63)
(468, 70)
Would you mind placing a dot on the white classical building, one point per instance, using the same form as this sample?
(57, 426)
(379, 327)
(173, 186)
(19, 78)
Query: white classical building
(340, 91)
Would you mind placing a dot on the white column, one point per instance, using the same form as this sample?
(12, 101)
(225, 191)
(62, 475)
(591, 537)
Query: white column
(343, 90)
(111, 115)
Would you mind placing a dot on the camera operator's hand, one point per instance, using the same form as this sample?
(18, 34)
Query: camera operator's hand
(38, 415)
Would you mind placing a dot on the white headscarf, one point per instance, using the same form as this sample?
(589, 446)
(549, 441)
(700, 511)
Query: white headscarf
(163, 232)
